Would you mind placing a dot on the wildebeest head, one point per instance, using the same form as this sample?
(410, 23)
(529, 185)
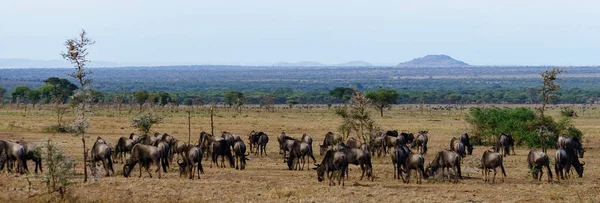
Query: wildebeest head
(182, 167)
(320, 172)
(579, 169)
(128, 167)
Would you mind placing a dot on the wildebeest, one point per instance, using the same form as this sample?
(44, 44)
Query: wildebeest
(281, 139)
(333, 161)
(399, 158)
(287, 145)
(445, 159)
(239, 150)
(537, 160)
(407, 137)
(330, 140)
(123, 147)
(221, 148)
(298, 152)
(491, 160)
(505, 143)
(415, 162)
(192, 159)
(389, 142)
(253, 140)
(205, 142)
(571, 143)
(11, 152)
(33, 153)
(464, 138)
(421, 142)
(563, 160)
(145, 155)
(377, 145)
(165, 151)
(458, 147)
(135, 138)
(179, 148)
(230, 138)
(358, 157)
(353, 143)
(102, 152)
(263, 139)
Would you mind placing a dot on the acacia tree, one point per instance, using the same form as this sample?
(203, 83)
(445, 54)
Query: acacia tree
(356, 117)
(547, 94)
(2, 92)
(19, 94)
(234, 98)
(141, 97)
(382, 98)
(76, 54)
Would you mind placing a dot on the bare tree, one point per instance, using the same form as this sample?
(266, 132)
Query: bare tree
(76, 54)
(547, 93)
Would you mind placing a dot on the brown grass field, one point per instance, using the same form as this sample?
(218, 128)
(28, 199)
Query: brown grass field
(267, 178)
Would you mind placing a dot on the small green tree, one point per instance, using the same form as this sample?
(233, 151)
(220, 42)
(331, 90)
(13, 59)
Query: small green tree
(62, 88)
(547, 93)
(57, 168)
(34, 97)
(2, 92)
(382, 98)
(145, 121)
(77, 55)
(234, 98)
(19, 94)
(141, 97)
(164, 98)
(356, 118)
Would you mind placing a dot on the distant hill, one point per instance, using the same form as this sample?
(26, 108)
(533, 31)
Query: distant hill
(354, 64)
(299, 64)
(30, 63)
(433, 61)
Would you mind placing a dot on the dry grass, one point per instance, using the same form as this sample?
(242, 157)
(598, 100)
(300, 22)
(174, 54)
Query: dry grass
(267, 178)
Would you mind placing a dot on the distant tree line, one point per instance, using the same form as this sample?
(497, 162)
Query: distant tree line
(57, 90)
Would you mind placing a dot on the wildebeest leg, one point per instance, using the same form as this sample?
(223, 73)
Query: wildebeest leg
(141, 171)
(549, 172)
(148, 170)
(105, 168)
(362, 168)
(157, 169)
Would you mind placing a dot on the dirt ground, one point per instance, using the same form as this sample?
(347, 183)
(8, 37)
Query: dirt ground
(266, 179)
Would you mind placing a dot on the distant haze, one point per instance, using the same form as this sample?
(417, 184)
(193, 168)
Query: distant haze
(267, 32)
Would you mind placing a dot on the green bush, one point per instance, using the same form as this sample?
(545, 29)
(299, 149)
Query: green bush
(522, 123)
(568, 112)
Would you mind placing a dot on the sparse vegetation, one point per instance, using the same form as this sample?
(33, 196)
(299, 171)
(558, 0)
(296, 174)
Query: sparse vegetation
(58, 166)
(145, 121)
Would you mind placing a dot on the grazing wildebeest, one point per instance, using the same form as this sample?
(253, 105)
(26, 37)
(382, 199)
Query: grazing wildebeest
(377, 145)
(145, 155)
(287, 144)
(102, 152)
(263, 139)
(192, 159)
(165, 151)
(123, 147)
(571, 143)
(309, 140)
(421, 142)
(179, 148)
(221, 148)
(537, 160)
(415, 162)
(205, 141)
(11, 152)
(32, 152)
(563, 160)
(491, 160)
(445, 159)
(458, 147)
(505, 143)
(253, 140)
(330, 140)
(399, 158)
(464, 138)
(298, 152)
(358, 157)
(353, 143)
(239, 150)
(333, 161)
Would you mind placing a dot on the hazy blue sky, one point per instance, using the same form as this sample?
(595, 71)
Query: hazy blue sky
(503, 32)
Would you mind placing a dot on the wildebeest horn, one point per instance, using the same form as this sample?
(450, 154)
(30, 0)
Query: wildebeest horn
(179, 163)
(583, 163)
(317, 165)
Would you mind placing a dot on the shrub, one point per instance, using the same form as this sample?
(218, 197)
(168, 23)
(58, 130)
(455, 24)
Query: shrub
(144, 121)
(568, 112)
(58, 168)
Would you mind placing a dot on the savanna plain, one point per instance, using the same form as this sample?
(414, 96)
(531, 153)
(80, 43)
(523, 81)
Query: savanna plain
(267, 178)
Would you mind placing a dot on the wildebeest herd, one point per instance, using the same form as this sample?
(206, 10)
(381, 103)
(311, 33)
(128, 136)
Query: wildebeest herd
(406, 153)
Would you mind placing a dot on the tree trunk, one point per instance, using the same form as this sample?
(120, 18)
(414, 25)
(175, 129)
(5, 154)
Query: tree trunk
(85, 154)
(381, 111)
